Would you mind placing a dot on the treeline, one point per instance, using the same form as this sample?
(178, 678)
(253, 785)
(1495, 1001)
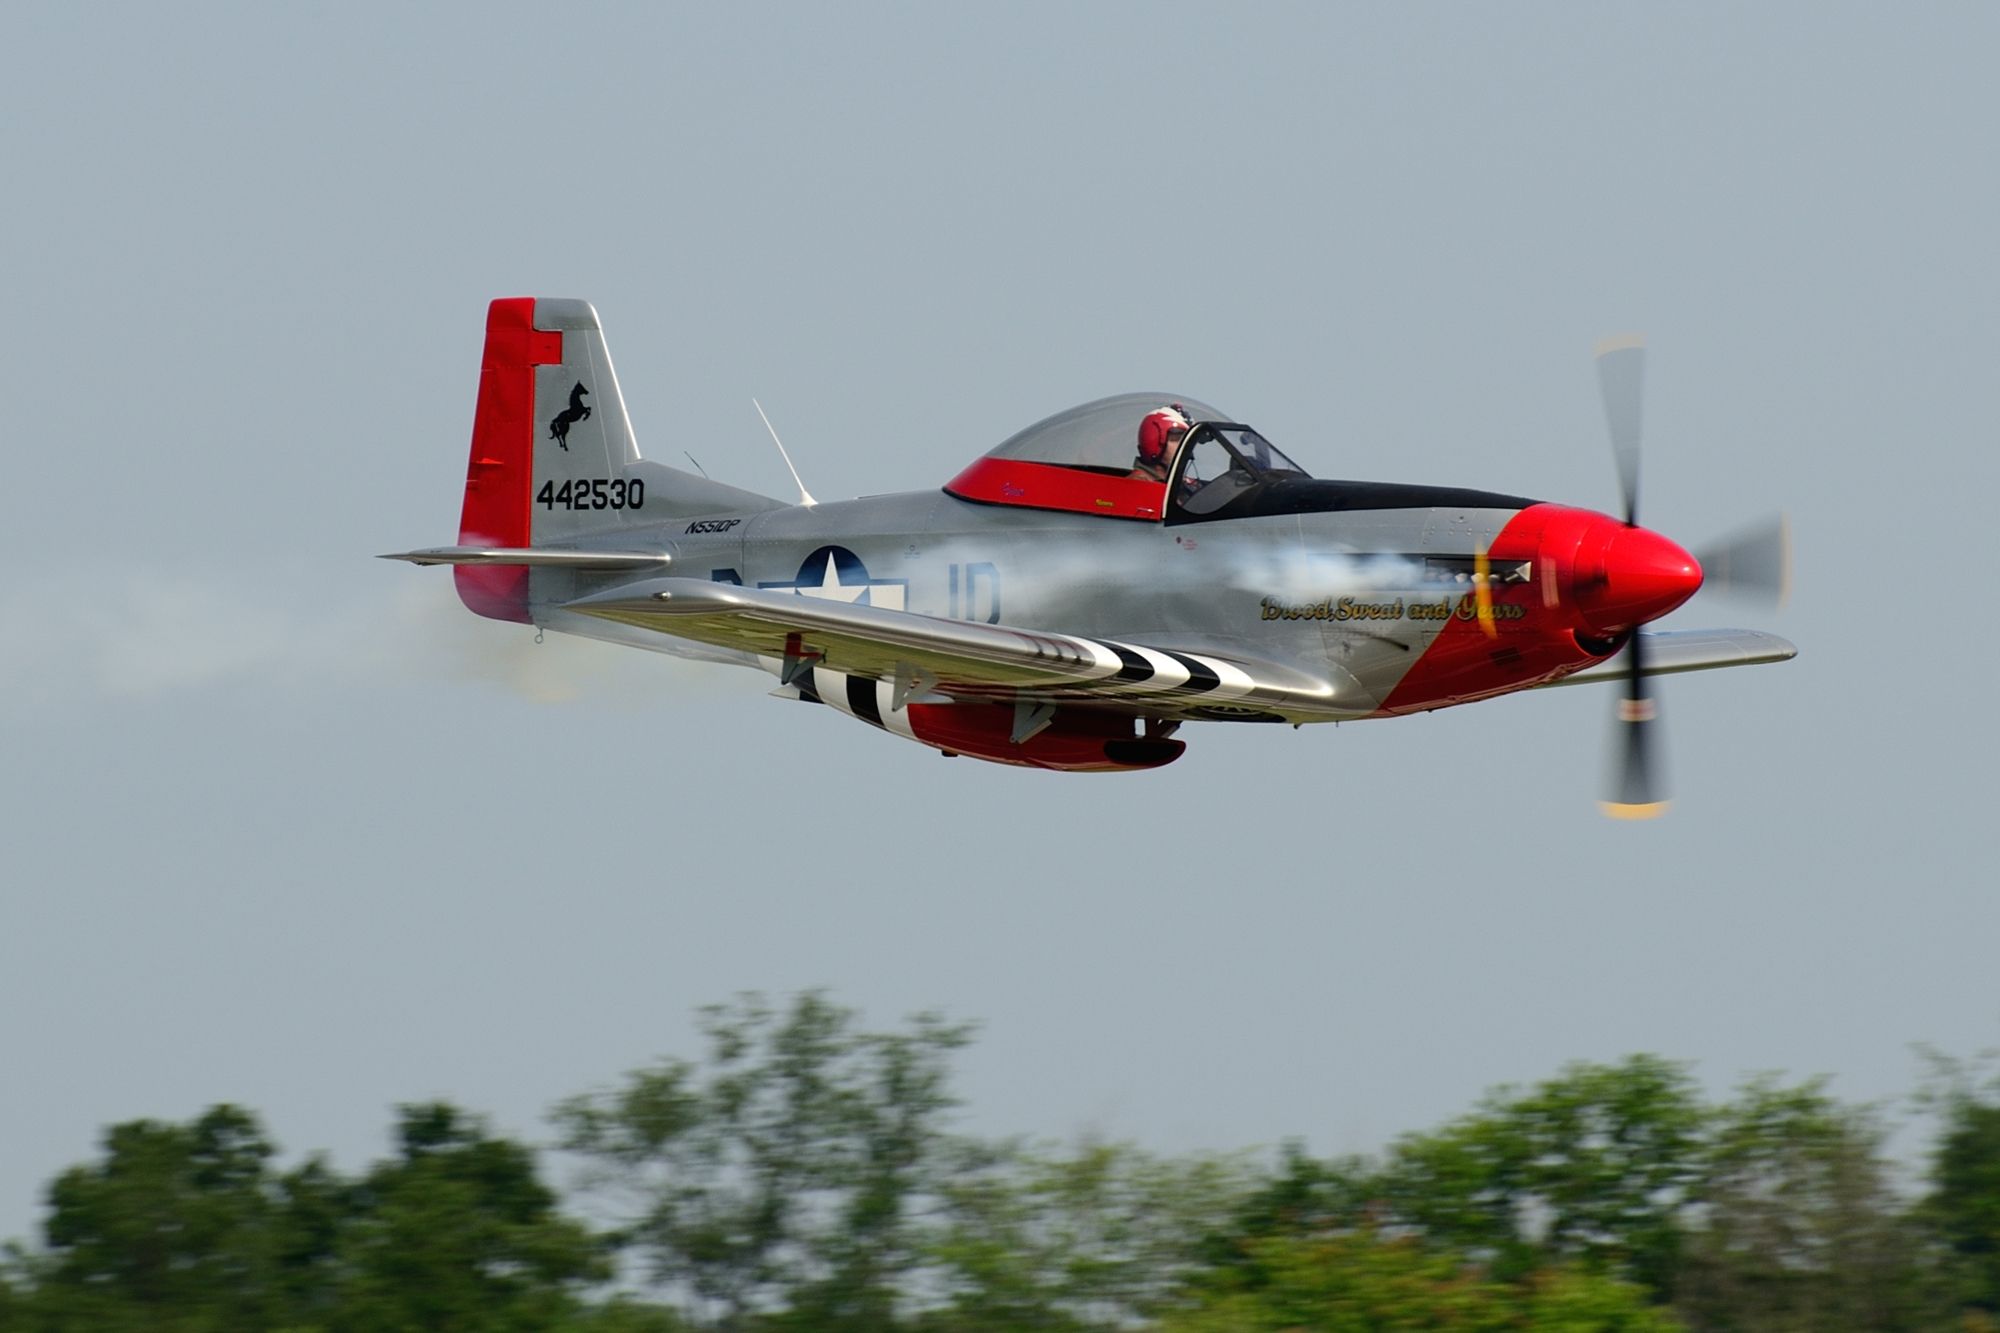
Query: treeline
(804, 1174)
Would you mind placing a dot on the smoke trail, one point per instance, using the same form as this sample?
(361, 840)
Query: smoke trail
(138, 635)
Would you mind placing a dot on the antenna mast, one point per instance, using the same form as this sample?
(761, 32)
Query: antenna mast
(805, 496)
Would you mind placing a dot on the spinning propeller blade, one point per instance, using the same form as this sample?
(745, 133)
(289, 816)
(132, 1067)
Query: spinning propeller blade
(1752, 562)
(1621, 377)
(1637, 791)
(1482, 590)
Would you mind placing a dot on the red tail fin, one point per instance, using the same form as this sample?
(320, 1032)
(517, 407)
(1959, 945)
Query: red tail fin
(499, 477)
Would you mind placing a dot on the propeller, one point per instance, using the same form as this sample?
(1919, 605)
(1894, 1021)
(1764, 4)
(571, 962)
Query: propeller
(1482, 590)
(1637, 789)
(1752, 562)
(1621, 376)
(1755, 561)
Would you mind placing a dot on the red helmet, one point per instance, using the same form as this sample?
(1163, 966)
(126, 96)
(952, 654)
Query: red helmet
(1158, 430)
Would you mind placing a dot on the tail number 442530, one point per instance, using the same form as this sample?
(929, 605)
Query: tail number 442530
(598, 493)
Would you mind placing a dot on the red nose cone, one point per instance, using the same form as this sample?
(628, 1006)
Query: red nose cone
(1644, 577)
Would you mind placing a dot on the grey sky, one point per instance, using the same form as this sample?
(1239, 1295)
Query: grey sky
(281, 824)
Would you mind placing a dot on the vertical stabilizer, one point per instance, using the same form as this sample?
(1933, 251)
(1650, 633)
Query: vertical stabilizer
(551, 444)
(553, 459)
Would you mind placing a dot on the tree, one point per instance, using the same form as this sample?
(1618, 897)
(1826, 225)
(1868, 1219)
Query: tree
(172, 1229)
(1793, 1223)
(781, 1177)
(457, 1232)
(1099, 1236)
(1773, 1211)
(1963, 1207)
(187, 1229)
(622, 1314)
(1589, 1167)
(1307, 1196)
(803, 1176)
(17, 1288)
(1364, 1282)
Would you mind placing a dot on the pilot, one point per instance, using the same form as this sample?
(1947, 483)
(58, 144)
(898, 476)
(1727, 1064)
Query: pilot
(1160, 436)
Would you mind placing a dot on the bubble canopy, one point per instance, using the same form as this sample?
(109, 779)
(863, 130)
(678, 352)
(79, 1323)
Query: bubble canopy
(1079, 460)
(1102, 434)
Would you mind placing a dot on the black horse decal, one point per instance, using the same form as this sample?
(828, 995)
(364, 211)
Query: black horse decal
(559, 425)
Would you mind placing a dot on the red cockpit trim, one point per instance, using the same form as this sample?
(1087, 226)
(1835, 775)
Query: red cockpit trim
(1015, 481)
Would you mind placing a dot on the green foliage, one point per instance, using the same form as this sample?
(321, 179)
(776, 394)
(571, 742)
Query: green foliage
(802, 1176)
(1795, 1225)
(457, 1232)
(1589, 1167)
(781, 1177)
(1963, 1207)
(186, 1229)
(1362, 1282)
(1770, 1212)
(1306, 1196)
(1966, 1198)
(622, 1314)
(1095, 1237)
(171, 1230)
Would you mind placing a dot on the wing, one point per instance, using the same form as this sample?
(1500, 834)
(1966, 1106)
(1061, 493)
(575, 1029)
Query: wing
(961, 660)
(1671, 651)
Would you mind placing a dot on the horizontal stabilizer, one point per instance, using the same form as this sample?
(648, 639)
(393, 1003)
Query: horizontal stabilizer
(539, 556)
(1671, 651)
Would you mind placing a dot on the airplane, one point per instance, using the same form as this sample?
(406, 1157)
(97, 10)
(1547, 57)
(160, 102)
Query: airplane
(1087, 586)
